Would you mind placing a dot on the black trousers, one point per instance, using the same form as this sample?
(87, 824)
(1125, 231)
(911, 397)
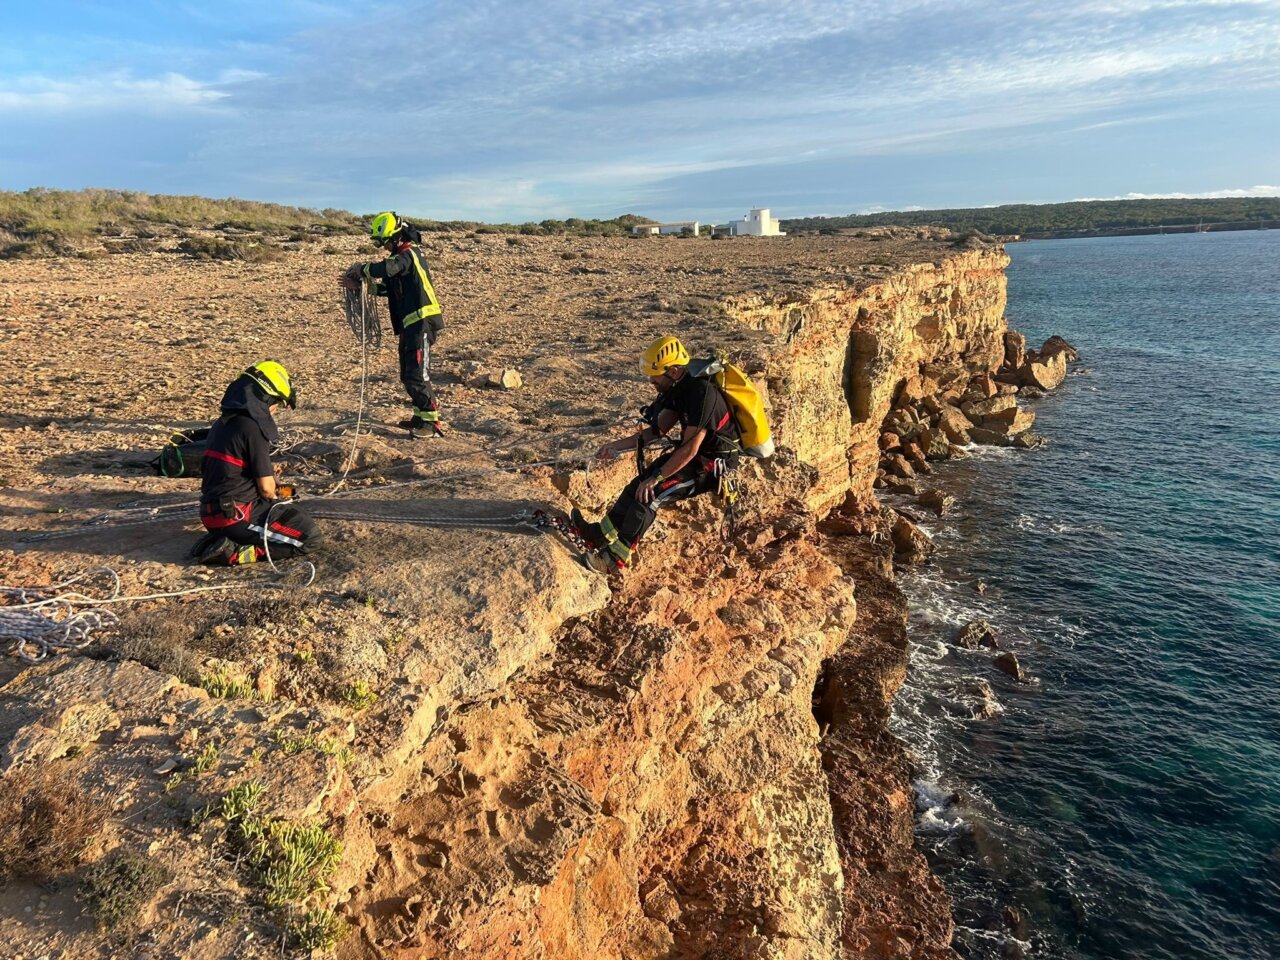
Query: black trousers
(289, 533)
(415, 357)
(627, 522)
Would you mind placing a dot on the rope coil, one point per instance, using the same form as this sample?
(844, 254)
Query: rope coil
(361, 308)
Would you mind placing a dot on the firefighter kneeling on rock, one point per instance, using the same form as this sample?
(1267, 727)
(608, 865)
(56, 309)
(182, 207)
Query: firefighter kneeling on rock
(710, 441)
(239, 503)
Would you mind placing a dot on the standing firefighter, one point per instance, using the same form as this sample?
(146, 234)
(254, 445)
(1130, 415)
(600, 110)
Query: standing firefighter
(709, 446)
(405, 280)
(238, 493)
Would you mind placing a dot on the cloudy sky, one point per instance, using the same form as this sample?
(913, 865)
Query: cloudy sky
(505, 110)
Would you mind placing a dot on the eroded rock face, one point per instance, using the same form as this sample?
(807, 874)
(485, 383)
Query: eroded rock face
(853, 354)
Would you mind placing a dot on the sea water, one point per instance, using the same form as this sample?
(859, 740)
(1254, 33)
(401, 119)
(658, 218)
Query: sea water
(1125, 802)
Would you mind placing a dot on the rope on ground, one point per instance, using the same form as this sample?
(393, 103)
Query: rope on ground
(47, 619)
(509, 521)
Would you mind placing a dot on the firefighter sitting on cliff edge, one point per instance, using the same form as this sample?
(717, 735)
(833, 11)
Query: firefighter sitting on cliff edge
(709, 445)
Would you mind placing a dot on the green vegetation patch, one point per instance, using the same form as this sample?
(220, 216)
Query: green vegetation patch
(289, 862)
(116, 888)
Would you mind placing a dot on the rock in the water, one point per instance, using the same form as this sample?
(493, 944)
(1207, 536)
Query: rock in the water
(910, 543)
(978, 633)
(983, 700)
(899, 466)
(1015, 349)
(1045, 373)
(937, 501)
(989, 438)
(1055, 345)
(1011, 421)
(1028, 440)
(898, 485)
(1008, 663)
(915, 454)
(936, 445)
(955, 425)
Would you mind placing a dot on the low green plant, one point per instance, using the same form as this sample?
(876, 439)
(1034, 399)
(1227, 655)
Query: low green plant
(206, 760)
(220, 685)
(116, 888)
(290, 861)
(316, 929)
(359, 695)
(318, 742)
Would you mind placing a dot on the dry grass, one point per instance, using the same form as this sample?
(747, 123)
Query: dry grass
(47, 821)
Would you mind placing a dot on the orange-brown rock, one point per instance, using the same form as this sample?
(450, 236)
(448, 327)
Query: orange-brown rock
(1046, 373)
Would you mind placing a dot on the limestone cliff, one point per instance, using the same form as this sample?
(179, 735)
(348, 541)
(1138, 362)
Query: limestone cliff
(690, 763)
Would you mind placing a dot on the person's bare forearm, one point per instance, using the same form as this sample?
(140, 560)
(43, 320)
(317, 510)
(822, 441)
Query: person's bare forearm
(682, 457)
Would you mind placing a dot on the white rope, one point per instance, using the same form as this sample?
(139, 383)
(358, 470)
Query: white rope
(365, 304)
(45, 620)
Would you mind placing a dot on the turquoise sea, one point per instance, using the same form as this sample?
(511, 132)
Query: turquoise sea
(1126, 803)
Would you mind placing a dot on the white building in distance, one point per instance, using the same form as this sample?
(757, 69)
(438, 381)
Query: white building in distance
(757, 223)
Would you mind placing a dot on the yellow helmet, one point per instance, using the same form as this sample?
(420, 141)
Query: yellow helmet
(384, 227)
(662, 353)
(274, 379)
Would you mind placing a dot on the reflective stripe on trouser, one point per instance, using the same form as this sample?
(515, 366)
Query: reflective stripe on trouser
(290, 531)
(415, 358)
(629, 518)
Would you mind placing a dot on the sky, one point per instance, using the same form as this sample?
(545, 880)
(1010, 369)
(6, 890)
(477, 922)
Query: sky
(500, 110)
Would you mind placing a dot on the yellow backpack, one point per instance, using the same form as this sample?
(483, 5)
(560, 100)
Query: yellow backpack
(744, 401)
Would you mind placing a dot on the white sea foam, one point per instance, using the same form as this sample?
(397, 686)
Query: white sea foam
(935, 808)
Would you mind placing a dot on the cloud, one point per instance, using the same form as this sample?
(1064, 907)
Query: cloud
(116, 91)
(1262, 190)
(497, 110)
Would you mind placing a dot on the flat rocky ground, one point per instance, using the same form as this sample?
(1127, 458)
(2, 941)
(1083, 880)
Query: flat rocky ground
(102, 358)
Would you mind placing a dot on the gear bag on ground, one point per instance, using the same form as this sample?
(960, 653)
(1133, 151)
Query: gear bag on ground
(182, 455)
(743, 399)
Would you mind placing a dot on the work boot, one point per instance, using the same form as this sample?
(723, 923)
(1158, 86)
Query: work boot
(599, 561)
(415, 426)
(219, 551)
(591, 532)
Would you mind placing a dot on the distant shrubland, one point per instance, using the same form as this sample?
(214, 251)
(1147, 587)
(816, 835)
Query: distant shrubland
(43, 223)
(1059, 219)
